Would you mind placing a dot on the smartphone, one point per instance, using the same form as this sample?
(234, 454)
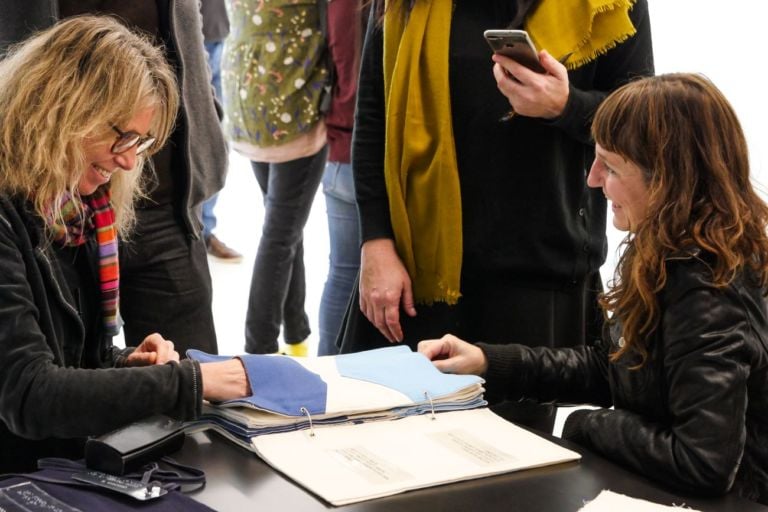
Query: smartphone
(515, 44)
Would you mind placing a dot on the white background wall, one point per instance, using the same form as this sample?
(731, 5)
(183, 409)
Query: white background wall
(726, 42)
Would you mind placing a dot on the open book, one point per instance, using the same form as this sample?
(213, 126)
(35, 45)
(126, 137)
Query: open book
(290, 393)
(360, 426)
(352, 463)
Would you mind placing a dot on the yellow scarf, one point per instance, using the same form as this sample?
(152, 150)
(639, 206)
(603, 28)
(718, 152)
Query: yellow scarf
(585, 29)
(420, 158)
(420, 166)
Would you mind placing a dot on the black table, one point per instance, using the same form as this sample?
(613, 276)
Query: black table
(238, 480)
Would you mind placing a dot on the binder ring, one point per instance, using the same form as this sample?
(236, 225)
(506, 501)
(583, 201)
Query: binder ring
(304, 410)
(431, 405)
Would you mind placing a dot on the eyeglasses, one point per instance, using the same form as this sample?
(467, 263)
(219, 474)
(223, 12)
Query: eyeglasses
(127, 140)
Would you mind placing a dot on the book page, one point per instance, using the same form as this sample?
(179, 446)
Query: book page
(351, 463)
(608, 501)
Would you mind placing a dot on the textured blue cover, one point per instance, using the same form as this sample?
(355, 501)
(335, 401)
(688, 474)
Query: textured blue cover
(278, 384)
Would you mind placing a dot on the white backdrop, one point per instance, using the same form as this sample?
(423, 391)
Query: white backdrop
(725, 42)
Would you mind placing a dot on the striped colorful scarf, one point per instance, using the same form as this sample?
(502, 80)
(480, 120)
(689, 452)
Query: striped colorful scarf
(79, 221)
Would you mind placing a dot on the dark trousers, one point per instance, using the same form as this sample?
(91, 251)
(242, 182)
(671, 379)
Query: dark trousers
(278, 287)
(165, 284)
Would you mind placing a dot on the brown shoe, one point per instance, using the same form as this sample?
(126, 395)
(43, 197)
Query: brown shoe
(221, 251)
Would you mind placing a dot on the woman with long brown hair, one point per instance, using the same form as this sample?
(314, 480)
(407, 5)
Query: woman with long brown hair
(684, 357)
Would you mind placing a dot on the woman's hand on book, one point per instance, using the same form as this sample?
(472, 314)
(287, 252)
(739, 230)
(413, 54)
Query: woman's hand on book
(453, 355)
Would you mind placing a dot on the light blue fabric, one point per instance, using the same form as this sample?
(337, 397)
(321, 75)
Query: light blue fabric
(284, 386)
(401, 369)
(209, 216)
(344, 255)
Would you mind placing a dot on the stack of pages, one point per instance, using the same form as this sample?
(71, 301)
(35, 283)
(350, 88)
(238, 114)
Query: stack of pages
(319, 421)
(289, 393)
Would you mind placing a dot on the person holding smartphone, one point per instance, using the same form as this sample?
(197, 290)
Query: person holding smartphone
(471, 225)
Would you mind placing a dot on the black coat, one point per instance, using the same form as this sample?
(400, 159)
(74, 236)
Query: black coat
(695, 416)
(528, 217)
(59, 381)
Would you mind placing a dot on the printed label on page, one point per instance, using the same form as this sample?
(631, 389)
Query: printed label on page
(369, 465)
(471, 447)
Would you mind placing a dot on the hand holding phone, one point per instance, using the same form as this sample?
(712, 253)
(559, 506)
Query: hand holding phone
(515, 44)
(544, 93)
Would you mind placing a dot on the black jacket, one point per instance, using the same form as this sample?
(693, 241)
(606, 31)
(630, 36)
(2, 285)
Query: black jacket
(528, 216)
(59, 381)
(695, 416)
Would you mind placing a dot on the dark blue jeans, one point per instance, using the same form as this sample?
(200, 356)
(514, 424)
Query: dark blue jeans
(344, 255)
(278, 287)
(165, 284)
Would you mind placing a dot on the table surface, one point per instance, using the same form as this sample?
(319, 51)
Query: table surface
(238, 480)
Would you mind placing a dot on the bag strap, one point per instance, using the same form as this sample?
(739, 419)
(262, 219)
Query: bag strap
(168, 479)
(193, 476)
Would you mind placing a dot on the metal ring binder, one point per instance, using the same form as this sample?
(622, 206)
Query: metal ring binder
(431, 405)
(304, 410)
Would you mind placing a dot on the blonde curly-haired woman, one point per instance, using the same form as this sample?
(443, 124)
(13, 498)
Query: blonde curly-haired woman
(82, 106)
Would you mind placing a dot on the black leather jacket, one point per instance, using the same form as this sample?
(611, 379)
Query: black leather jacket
(695, 416)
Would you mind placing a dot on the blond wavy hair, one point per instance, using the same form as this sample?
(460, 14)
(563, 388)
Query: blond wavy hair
(685, 136)
(67, 86)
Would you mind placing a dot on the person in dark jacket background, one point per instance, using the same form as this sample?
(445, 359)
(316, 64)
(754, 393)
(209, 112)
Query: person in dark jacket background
(470, 221)
(684, 357)
(165, 275)
(83, 105)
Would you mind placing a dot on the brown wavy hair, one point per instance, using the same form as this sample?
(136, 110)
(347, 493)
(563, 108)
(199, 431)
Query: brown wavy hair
(684, 134)
(68, 85)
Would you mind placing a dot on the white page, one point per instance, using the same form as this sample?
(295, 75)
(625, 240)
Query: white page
(351, 463)
(609, 501)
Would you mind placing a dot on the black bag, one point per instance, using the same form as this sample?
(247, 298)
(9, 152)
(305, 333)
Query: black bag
(126, 449)
(60, 485)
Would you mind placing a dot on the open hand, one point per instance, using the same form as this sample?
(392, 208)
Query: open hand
(384, 287)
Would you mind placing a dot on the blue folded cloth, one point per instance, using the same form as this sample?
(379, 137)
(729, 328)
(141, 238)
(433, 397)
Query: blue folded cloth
(284, 386)
(278, 384)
